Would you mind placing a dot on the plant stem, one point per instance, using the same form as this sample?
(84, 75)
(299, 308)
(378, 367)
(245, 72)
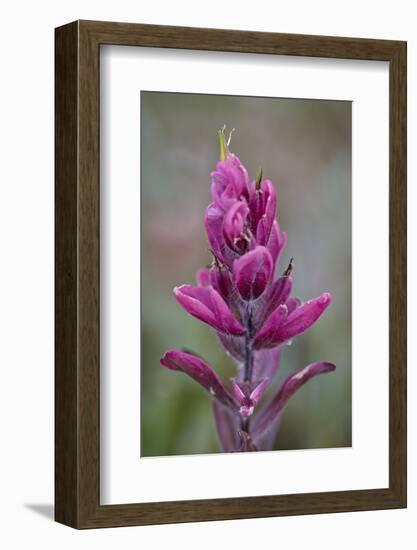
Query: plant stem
(244, 424)
(248, 346)
(248, 366)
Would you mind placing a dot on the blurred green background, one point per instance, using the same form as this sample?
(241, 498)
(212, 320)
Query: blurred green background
(304, 147)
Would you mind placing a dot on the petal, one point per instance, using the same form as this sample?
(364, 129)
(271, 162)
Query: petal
(269, 334)
(255, 206)
(276, 295)
(227, 425)
(227, 197)
(257, 392)
(280, 291)
(252, 272)
(208, 306)
(203, 277)
(303, 317)
(230, 174)
(262, 202)
(262, 233)
(196, 302)
(224, 196)
(234, 223)
(268, 209)
(292, 304)
(268, 196)
(199, 371)
(225, 320)
(238, 392)
(276, 242)
(220, 280)
(213, 222)
(294, 382)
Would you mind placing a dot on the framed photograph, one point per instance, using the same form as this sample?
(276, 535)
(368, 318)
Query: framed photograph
(230, 274)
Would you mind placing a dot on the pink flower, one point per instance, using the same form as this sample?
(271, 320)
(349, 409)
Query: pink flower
(248, 395)
(234, 227)
(252, 272)
(251, 311)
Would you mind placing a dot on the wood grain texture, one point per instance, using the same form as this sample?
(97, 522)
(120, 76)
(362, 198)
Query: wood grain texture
(78, 286)
(66, 237)
(398, 273)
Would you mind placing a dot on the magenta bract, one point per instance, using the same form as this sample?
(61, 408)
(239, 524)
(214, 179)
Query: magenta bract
(198, 369)
(206, 304)
(252, 272)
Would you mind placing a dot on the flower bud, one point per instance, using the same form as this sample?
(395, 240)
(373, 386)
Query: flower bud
(252, 272)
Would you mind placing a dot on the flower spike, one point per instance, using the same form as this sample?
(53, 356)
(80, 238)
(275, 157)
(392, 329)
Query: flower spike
(252, 312)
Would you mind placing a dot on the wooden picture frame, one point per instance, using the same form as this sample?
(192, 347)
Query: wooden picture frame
(77, 374)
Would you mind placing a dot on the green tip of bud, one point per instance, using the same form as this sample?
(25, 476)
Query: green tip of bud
(258, 179)
(222, 143)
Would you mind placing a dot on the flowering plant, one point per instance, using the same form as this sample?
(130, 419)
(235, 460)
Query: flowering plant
(251, 311)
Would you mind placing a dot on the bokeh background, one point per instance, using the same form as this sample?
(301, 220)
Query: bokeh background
(304, 147)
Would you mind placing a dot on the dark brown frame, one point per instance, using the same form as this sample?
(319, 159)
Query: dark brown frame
(77, 274)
